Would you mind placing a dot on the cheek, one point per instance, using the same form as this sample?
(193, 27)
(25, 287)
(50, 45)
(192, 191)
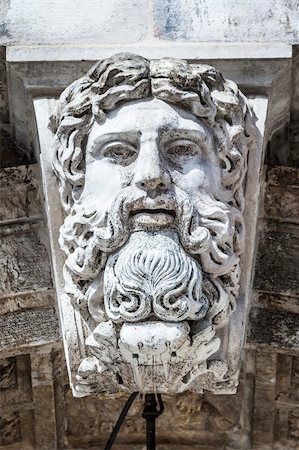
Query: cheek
(190, 181)
(102, 183)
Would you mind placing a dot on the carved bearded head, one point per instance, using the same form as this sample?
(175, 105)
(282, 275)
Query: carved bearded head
(150, 158)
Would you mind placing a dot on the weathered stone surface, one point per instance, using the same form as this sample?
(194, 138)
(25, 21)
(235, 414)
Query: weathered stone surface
(264, 400)
(19, 193)
(10, 154)
(270, 419)
(294, 425)
(10, 428)
(146, 244)
(15, 389)
(276, 302)
(275, 328)
(28, 328)
(277, 266)
(43, 400)
(226, 20)
(283, 176)
(282, 194)
(293, 156)
(8, 373)
(204, 421)
(45, 22)
(3, 88)
(31, 300)
(24, 261)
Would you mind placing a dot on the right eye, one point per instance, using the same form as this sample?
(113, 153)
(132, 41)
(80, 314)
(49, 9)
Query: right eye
(119, 152)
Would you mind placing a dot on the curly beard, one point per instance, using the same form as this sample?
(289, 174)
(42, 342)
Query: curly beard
(206, 228)
(152, 275)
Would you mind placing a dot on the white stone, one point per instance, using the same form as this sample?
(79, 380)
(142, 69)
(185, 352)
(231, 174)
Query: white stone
(51, 22)
(227, 20)
(154, 225)
(185, 50)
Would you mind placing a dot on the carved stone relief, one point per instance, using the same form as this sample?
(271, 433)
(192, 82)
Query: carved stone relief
(151, 160)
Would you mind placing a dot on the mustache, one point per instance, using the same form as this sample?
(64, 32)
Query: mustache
(89, 235)
(111, 228)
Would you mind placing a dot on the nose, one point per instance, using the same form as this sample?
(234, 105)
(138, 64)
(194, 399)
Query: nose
(149, 173)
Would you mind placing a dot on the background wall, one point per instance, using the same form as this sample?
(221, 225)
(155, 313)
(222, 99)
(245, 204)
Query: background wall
(45, 41)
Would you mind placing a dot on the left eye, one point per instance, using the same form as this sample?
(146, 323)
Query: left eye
(121, 152)
(181, 149)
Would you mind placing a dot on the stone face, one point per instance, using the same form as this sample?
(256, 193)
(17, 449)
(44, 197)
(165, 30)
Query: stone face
(152, 189)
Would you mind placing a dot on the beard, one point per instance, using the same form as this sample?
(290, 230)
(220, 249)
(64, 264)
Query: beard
(201, 226)
(153, 276)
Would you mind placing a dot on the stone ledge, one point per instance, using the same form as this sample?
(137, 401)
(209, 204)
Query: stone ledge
(154, 49)
(19, 194)
(28, 328)
(50, 21)
(29, 300)
(275, 328)
(276, 302)
(277, 265)
(24, 259)
(282, 194)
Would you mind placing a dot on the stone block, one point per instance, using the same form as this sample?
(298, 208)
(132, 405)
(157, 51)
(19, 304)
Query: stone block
(16, 407)
(204, 422)
(226, 20)
(19, 193)
(276, 302)
(44, 400)
(53, 22)
(277, 265)
(28, 328)
(274, 328)
(8, 374)
(282, 194)
(15, 383)
(30, 300)
(3, 88)
(10, 429)
(24, 261)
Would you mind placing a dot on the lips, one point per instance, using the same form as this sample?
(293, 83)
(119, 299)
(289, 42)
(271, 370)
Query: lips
(151, 219)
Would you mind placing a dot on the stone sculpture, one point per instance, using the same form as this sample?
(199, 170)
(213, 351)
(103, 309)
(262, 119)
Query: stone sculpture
(151, 160)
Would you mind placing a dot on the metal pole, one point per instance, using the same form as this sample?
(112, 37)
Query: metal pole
(120, 421)
(150, 414)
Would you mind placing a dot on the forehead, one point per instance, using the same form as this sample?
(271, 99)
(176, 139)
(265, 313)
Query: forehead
(147, 115)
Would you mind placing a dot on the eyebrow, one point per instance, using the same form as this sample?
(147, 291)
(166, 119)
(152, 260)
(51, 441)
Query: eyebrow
(130, 136)
(164, 134)
(203, 136)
